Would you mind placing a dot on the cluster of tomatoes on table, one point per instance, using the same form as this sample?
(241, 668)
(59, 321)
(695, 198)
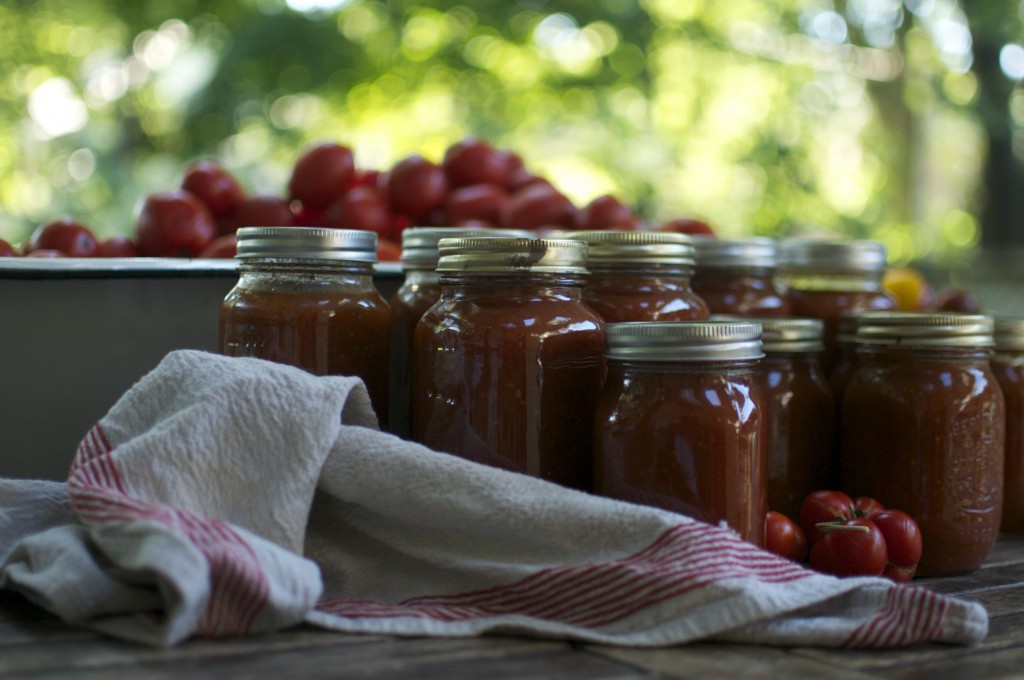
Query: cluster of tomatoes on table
(847, 537)
(475, 185)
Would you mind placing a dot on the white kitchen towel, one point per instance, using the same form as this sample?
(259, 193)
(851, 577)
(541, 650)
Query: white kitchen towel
(224, 496)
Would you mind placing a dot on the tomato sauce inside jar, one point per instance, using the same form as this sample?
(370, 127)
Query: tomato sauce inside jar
(800, 412)
(508, 364)
(738, 276)
(923, 426)
(680, 422)
(1008, 366)
(305, 297)
(640, 276)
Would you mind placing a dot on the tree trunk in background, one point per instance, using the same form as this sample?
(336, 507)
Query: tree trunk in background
(1002, 215)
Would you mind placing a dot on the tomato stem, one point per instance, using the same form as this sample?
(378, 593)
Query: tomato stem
(828, 527)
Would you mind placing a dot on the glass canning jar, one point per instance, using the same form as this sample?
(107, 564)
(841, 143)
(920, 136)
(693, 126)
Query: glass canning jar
(640, 276)
(508, 364)
(923, 430)
(1008, 366)
(305, 297)
(680, 422)
(738, 276)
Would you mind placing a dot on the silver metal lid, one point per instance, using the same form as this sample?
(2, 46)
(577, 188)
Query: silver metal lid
(512, 255)
(311, 243)
(1008, 333)
(419, 244)
(785, 334)
(755, 253)
(683, 341)
(925, 329)
(846, 329)
(616, 247)
(831, 254)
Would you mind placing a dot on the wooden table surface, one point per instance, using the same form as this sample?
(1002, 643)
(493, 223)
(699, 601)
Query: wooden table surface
(37, 645)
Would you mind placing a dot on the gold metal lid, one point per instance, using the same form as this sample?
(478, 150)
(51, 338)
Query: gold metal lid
(812, 254)
(512, 255)
(614, 247)
(419, 244)
(785, 334)
(307, 243)
(683, 341)
(755, 253)
(925, 329)
(1008, 333)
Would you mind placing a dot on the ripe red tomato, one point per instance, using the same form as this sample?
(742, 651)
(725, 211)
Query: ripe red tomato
(823, 506)
(321, 174)
(784, 538)
(605, 212)
(259, 211)
(851, 552)
(306, 216)
(688, 225)
(903, 540)
(537, 205)
(953, 299)
(214, 186)
(6, 249)
(221, 247)
(475, 202)
(173, 223)
(66, 235)
(474, 161)
(415, 186)
(117, 246)
(866, 507)
(388, 251)
(365, 178)
(359, 208)
(520, 178)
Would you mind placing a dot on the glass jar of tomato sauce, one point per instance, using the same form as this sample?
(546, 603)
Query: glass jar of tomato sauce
(420, 290)
(640, 276)
(738, 276)
(799, 412)
(305, 297)
(1008, 365)
(680, 422)
(508, 364)
(923, 427)
(824, 278)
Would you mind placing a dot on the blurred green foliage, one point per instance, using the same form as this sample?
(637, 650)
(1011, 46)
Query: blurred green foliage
(865, 117)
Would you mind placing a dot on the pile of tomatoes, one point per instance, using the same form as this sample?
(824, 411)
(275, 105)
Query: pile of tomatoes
(847, 537)
(474, 185)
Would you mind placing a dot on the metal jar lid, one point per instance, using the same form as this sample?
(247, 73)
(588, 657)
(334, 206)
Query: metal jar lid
(512, 255)
(846, 329)
(419, 244)
(755, 253)
(310, 243)
(683, 341)
(1009, 333)
(925, 329)
(785, 334)
(832, 254)
(636, 247)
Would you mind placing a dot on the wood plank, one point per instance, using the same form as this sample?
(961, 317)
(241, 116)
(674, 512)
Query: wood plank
(982, 579)
(420, 659)
(1007, 663)
(721, 660)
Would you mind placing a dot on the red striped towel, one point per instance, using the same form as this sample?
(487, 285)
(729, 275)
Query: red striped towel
(227, 496)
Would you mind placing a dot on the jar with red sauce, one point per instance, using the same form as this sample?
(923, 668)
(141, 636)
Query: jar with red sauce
(923, 429)
(846, 353)
(800, 412)
(738, 276)
(305, 297)
(641, 276)
(420, 290)
(508, 364)
(824, 278)
(1008, 366)
(680, 423)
